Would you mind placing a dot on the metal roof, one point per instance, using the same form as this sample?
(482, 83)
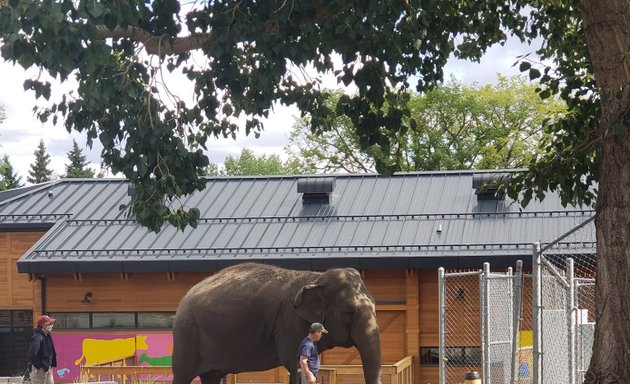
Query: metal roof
(413, 220)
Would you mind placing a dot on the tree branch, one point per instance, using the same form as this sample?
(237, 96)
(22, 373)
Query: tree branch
(155, 45)
(167, 45)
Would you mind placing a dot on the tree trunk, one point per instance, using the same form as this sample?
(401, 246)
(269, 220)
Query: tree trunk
(607, 28)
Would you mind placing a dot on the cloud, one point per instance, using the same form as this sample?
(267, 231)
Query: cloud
(498, 59)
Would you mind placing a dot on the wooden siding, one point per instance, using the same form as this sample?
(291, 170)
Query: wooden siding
(429, 375)
(407, 310)
(16, 291)
(386, 285)
(118, 292)
(428, 308)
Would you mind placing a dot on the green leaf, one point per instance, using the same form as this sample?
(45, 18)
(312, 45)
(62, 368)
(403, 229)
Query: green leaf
(534, 73)
(524, 66)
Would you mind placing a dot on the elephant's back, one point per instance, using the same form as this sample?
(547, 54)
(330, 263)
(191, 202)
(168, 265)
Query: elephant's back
(246, 284)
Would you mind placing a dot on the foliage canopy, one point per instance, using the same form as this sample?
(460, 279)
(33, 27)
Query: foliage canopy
(247, 164)
(253, 53)
(457, 126)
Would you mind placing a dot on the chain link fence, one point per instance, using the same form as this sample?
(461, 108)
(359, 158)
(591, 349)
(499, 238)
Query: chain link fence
(460, 336)
(565, 312)
(518, 328)
(482, 313)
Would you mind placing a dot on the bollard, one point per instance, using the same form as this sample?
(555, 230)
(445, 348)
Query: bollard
(472, 377)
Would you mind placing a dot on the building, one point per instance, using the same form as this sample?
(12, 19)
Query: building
(68, 249)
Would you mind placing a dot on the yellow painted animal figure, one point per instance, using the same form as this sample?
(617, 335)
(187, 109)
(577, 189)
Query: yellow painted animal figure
(96, 350)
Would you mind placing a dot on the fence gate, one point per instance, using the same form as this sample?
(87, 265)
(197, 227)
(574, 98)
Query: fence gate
(564, 312)
(480, 322)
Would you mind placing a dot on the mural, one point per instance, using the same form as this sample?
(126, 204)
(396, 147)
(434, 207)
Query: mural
(76, 349)
(525, 357)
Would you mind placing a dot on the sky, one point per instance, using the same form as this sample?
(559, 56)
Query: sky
(21, 132)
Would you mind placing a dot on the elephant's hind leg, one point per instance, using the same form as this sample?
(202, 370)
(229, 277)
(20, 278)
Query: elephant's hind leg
(212, 377)
(180, 379)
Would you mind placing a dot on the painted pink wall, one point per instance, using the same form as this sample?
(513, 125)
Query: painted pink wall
(69, 349)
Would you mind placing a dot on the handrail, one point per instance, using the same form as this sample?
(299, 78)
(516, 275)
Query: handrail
(123, 360)
(400, 372)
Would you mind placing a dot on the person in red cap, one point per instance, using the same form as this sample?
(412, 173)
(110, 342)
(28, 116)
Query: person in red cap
(41, 352)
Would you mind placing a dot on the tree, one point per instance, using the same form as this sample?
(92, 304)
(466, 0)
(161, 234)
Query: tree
(256, 53)
(78, 167)
(9, 179)
(39, 172)
(3, 115)
(457, 126)
(247, 164)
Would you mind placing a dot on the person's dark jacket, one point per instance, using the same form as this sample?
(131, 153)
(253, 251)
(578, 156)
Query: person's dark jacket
(41, 351)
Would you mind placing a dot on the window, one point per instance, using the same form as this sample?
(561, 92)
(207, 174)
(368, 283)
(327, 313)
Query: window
(69, 320)
(456, 356)
(463, 356)
(155, 319)
(430, 356)
(16, 329)
(113, 320)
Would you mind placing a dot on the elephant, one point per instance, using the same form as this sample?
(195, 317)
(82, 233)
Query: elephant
(252, 317)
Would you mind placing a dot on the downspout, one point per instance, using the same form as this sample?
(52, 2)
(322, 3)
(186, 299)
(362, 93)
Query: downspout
(43, 293)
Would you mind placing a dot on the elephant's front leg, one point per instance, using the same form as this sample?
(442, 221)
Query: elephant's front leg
(294, 376)
(212, 377)
(290, 362)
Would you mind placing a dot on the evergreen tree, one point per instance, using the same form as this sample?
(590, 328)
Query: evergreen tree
(78, 167)
(39, 172)
(9, 179)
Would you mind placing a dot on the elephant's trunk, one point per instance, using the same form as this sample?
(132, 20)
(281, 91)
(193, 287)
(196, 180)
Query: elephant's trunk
(367, 339)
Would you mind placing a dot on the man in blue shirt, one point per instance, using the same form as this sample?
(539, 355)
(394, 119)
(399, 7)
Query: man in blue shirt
(309, 354)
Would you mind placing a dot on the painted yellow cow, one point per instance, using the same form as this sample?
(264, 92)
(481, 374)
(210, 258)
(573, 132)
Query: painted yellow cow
(95, 350)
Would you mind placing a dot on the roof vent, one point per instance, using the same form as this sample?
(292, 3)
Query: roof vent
(487, 186)
(316, 190)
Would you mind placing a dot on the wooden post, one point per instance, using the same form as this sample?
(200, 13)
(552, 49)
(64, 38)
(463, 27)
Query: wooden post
(412, 319)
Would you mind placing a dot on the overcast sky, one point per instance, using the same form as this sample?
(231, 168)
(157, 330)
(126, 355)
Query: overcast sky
(22, 131)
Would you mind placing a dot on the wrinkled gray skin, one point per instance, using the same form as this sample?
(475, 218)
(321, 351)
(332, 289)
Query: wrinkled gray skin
(252, 317)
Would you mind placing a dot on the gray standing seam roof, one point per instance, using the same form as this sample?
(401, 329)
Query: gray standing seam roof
(415, 220)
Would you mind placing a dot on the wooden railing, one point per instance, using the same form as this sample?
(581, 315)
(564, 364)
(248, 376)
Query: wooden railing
(124, 370)
(119, 370)
(398, 373)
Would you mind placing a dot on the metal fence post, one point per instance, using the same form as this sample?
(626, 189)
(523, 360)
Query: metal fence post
(441, 327)
(571, 312)
(485, 336)
(536, 310)
(518, 289)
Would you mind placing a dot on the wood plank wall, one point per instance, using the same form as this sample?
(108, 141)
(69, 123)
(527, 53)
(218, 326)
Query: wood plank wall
(118, 292)
(16, 291)
(406, 300)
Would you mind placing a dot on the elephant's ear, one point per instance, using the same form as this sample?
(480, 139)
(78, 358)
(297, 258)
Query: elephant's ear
(309, 303)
